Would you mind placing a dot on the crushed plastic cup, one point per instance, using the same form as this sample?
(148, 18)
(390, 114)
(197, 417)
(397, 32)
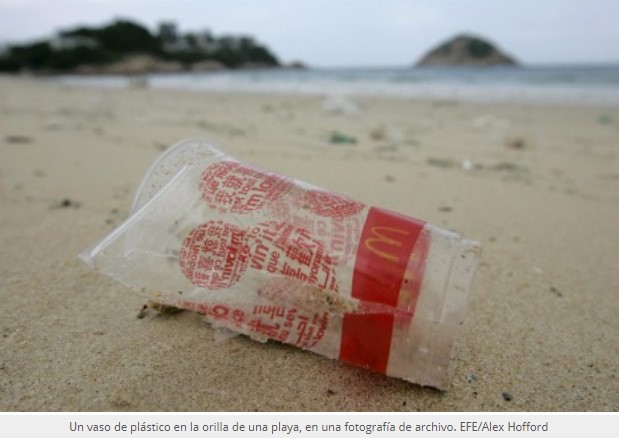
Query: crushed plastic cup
(272, 257)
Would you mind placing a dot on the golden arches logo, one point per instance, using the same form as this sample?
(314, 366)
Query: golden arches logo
(381, 235)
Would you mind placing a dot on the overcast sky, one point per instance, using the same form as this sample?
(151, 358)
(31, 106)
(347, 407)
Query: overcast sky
(352, 32)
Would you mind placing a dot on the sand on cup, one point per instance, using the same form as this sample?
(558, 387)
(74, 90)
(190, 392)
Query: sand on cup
(275, 258)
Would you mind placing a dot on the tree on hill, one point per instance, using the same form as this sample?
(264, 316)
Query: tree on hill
(111, 43)
(120, 36)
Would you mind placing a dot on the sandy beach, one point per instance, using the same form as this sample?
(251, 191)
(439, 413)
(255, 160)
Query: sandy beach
(537, 185)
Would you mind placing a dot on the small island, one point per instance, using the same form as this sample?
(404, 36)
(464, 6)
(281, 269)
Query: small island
(126, 47)
(465, 50)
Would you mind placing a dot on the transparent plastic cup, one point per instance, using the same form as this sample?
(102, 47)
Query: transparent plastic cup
(271, 257)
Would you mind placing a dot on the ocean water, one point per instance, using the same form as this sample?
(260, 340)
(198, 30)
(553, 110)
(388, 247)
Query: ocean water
(575, 84)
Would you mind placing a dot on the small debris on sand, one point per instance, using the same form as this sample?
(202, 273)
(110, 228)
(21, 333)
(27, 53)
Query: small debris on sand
(507, 396)
(151, 307)
(163, 309)
(17, 138)
(390, 178)
(66, 203)
(467, 165)
(517, 143)
(556, 292)
(143, 312)
(378, 134)
(340, 138)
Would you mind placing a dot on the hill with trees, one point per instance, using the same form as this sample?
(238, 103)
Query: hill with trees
(124, 44)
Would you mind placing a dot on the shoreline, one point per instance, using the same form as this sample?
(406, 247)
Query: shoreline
(343, 104)
(541, 87)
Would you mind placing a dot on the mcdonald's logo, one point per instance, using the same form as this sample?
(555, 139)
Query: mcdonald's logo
(383, 254)
(385, 247)
(385, 235)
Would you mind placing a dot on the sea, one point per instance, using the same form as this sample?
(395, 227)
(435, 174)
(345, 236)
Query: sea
(560, 84)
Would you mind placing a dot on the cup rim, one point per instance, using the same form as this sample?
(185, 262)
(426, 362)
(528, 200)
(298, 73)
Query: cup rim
(168, 156)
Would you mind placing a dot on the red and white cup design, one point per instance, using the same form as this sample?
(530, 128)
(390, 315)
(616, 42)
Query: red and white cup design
(288, 324)
(335, 219)
(214, 255)
(230, 186)
(276, 226)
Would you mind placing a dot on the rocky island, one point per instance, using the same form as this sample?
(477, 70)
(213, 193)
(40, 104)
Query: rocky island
(465, 50)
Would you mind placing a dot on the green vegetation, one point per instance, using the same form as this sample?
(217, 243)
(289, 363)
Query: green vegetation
(478, 48)
(111, 43)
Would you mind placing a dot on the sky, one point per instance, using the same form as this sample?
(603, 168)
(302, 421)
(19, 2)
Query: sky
(330, 33)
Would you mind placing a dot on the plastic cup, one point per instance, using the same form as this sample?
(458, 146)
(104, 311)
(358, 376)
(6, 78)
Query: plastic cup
(271, 257)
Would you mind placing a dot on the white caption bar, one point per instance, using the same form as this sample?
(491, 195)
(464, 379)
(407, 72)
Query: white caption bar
(308, 425)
